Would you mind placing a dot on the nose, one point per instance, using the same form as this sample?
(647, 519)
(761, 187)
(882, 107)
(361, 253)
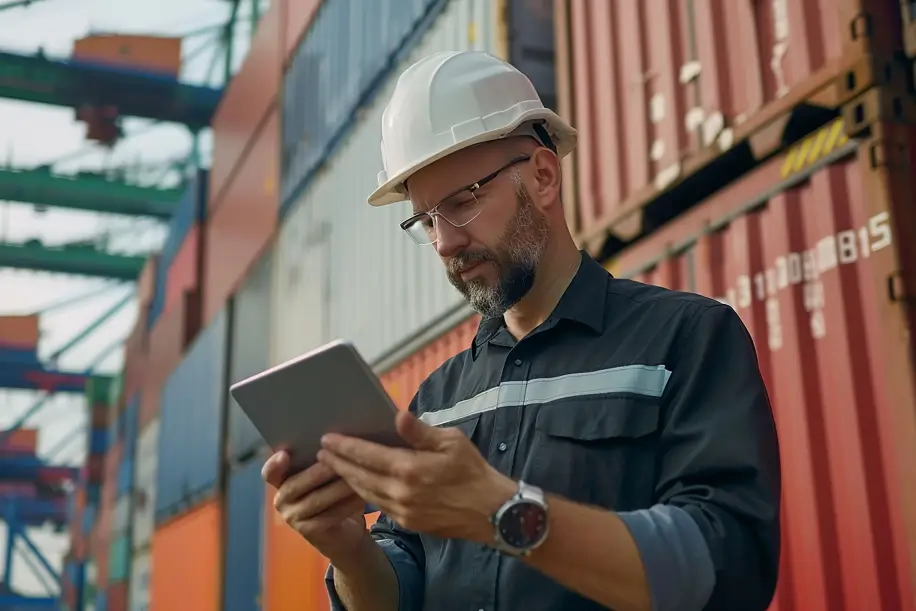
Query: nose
(450, 240)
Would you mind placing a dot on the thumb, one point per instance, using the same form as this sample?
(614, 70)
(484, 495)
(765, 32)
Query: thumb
(418, 435)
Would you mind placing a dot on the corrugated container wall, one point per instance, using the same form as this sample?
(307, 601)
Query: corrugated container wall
(650, 84)
(250, 352)
(245, 532)
(244, 223)
(138, 598)
(250, 97)
(804, 259)
(335, 254)
(297, 15)
(191, 423)
(186, 562)
(145, 487)
(293, 570)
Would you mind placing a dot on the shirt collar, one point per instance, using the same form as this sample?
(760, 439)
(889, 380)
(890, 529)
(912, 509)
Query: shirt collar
(583, 302)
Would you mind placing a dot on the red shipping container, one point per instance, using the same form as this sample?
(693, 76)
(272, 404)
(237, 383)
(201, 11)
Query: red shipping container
(241, 228)
(656, 87)
(184, 272)
(249, 101)
(116, 598)
(20, 441)
(19, 332)
(94, 469)
(806, 260)
(297, 15)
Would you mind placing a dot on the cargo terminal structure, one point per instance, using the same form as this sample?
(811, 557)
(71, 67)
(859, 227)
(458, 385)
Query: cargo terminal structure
(757, 153)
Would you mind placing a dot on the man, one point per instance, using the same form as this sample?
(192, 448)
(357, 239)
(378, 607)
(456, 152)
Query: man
(601, 444)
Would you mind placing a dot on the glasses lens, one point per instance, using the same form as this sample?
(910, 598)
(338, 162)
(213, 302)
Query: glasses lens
(422, 230)
(460, 209)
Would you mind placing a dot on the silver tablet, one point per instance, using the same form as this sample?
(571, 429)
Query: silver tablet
(330, 389)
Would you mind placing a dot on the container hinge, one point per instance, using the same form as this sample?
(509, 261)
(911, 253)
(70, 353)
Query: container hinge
(874, 70)
(879, 104)
(887, 154)
(896, 288)
(861, 27)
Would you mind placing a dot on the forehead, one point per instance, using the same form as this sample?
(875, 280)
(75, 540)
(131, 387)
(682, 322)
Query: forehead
(461, 169)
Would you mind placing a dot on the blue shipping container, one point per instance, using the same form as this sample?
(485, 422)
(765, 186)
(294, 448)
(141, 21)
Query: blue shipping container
(125, 475)
(330, 77)
(191, 210)
(191, 414)
(88, 518)
(101, 600)
(250, 352)
(244, 529)
(131, 424)
(98, 441)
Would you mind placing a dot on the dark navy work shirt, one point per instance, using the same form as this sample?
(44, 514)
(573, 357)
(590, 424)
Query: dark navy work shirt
(641, 400)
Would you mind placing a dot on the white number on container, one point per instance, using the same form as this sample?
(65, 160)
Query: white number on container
(846, 243)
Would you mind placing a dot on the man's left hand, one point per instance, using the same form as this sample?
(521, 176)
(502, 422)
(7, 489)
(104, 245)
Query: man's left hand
(440, 485)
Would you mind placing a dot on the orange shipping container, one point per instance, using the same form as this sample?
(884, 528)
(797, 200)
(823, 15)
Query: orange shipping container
(293, 570)
(146, 283)
(241, 228)
(808, 260)
(20, 441)
(19, 331)
(250, 100)
(187, 562)
(655, 87)
(158, 54)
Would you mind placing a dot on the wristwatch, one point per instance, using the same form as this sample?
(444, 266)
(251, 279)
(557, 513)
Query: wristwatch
(520, 525)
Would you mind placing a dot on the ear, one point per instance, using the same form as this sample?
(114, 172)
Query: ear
(547, 177)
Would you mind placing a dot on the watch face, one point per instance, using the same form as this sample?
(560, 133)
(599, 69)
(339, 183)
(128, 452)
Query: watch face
(523, 525)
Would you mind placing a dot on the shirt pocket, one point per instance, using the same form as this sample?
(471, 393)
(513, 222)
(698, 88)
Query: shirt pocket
(597, 450)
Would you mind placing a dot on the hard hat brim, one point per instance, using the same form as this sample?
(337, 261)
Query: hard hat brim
(564, 138)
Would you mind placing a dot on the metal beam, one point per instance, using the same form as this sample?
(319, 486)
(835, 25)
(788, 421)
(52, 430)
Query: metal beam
(87, 191)
(91, 328)
(76, 260)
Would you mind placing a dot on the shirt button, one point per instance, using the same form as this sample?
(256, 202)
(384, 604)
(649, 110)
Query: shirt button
(503, 447)
(518, 362)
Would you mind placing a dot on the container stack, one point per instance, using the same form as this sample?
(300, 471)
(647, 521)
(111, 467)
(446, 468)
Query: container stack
(759, 156)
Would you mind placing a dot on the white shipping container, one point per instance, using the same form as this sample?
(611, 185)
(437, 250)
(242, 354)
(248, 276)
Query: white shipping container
(138, 592)
(346, 270)
(122, 514)
(144, 506)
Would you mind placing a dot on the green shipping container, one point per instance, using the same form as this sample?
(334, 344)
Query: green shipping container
(98, 390)
(119, 559)
(114, 391)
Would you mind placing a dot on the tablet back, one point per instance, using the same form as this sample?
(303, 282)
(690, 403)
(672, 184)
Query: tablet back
(330, 389)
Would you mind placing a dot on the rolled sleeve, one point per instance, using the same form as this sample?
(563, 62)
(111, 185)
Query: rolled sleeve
(410, 579)
(719, 476)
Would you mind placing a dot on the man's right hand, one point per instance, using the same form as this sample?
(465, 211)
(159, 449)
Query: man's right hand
(318, 505)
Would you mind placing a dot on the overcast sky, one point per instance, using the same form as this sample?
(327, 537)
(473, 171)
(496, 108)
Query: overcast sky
(34, 134)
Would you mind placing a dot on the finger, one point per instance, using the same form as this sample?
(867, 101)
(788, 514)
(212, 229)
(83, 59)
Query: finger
(368, 485)
(321, 500)
(349, 508)
(302, 483)
(368, 455)
(418, 435)
(275, 469)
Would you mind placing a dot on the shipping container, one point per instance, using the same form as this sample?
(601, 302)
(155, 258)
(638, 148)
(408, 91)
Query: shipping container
(131, 424)
(293, 570)
(244, 539)
(184, 273)
(19, 331)
(119, 559)
(144, 506)
(186, 562)
(123, 512)
(125, 475)
(167, 342)
(657, 88)
(243, 224)
(403, 380)
(19, 441)
(191, 423)
(250, 98)
(250, 352)
(117, 596)
(138, 597)
(336, 254)
(146, 283)
(156, 54)
(100, 550)
(804, 249)
(297, 16)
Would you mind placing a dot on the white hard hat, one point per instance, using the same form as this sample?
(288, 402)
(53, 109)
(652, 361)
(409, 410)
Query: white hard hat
(452, 100)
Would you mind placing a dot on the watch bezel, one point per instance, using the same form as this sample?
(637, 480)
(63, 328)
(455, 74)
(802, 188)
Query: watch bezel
(527, 496)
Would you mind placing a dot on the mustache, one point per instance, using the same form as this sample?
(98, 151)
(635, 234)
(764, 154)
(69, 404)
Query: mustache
(466, 259)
